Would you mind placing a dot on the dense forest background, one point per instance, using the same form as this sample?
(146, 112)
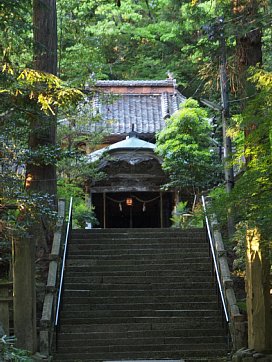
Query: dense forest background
(145, 39)
(129, 39)
(49, 50)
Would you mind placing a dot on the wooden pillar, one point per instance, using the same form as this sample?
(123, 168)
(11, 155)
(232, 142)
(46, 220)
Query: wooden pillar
(176, 200)
(104, 210)
(130, 217)
(161, 209)
(24, 293)
(88, 199)
(4, 305)
(258, 296)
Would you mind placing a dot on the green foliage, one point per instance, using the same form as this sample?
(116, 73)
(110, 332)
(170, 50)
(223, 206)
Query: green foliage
(9, 353)
(252, 192)
(184, 219)
(144, 39)
(218, 206)
(181, 207)
(22, 210)
(16, 31)
(42, 155)
(185, 146)
(239, 241)
(76, 141)
(44, 89)
(251, 197)
(138, 40)
(83, 214)
(66, 190)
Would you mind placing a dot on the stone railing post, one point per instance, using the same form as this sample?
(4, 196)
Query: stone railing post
(48, 313)
(237, 323)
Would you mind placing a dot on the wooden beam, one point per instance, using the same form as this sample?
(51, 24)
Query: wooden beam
(161, 209)
(104, 210)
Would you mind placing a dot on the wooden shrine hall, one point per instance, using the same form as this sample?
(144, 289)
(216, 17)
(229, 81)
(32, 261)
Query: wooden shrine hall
(131, 196)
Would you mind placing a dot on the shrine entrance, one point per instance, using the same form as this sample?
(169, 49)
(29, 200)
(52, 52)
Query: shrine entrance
(130, 195)
(133, 209)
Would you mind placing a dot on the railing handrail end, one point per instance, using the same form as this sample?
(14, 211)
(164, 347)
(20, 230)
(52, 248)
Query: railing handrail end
(215, 261)
(68, 229)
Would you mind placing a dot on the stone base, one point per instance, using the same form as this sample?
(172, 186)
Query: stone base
(250, 355)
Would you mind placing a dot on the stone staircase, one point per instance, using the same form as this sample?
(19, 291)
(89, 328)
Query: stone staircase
(139, 294)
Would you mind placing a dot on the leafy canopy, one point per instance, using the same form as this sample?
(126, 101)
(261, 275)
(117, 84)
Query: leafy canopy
(185, 146)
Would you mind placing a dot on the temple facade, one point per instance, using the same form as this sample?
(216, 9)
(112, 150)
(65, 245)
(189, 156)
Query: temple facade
(131, 196)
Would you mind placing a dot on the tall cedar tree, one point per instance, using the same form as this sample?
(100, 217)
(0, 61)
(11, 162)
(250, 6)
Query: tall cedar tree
(249, 53)
(43, 127)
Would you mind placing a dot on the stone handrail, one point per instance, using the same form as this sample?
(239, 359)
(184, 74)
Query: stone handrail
(237, 322)
(48, 312)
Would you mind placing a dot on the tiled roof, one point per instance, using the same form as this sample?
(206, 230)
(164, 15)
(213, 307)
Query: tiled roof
(135, 83)
(146, 111)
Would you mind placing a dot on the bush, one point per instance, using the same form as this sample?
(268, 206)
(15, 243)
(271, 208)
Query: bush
(184, 219)
(9, 353)
(83, 214)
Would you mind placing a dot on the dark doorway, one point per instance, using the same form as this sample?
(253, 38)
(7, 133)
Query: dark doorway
(144, 212)
(148, 209)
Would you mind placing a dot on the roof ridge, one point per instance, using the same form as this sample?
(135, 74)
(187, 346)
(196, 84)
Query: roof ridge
(133, 83)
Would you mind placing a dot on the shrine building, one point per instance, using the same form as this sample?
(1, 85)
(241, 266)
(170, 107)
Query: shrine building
(132, 112)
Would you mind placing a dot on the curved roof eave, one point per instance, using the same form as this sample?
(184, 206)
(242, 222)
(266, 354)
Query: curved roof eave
(130, 143)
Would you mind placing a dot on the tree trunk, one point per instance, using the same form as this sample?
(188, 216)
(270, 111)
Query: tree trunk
(40, 178)
(43, 127)
(45, 35)
(249, 44)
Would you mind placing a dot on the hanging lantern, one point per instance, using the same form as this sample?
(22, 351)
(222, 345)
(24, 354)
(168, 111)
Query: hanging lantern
(28, 181)
(129, 201)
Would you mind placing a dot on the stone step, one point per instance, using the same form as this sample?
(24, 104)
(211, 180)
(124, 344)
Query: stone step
(120, 279)
(139, 294)
(140, 324)
(123, 265)
(138, 238)
(79, 308)
(174, 333)
(129, 286)
(138, 260)
(84, 297)
(143, 347)
(207, 359)
(88, 302)
(86, 282)
(140, 241)
(83, 316)
(85, 276)
(173, 352)
(183, 251)
(141, 256)
(188, 317)
(140, 341)
(150, 270)
(114, 245)
(138, 231)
